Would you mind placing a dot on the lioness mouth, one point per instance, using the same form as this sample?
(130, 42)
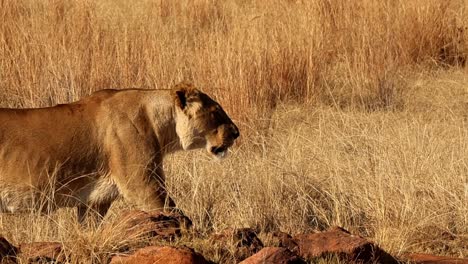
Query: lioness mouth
(219, 152)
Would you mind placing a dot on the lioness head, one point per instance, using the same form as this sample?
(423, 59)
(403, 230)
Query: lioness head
(201, 122)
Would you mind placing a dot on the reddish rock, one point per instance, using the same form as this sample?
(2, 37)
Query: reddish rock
(276, 255)
(419, 258)
(136, 223)
(281, 239)
(240, 237)
(244, 240)
(156, 254)
(339, 242)
(42, 252)
(7, 251)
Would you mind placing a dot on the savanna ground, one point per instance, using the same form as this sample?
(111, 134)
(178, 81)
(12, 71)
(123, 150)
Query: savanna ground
(352, 113)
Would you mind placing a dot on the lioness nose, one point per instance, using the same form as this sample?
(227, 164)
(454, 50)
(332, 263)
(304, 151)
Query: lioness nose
(235, 131)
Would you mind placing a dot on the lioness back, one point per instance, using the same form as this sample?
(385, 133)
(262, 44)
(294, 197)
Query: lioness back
(110, 143)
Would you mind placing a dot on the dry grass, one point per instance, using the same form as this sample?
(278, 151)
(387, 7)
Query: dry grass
(355, 112)
(245, 52)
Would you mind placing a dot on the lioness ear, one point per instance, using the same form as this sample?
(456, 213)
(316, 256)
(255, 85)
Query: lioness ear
(185, 94)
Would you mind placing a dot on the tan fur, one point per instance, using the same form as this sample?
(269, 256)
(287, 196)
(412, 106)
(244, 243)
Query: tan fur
(112, 143)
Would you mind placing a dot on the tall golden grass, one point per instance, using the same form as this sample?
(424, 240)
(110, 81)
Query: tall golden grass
(248, 53)
(355, 111)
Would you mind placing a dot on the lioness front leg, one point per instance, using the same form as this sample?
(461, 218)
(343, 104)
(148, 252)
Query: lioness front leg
(142, 185)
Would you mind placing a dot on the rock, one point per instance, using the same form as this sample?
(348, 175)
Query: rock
(41, 252)
(135, 224)
(156, 254)
(281, 239)
(7, 251)
(419, 258)
(339, 242)
(274, 255)
(241, 237)
(244, 240)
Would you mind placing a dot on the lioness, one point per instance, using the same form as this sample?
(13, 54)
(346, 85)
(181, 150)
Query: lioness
(87, 153)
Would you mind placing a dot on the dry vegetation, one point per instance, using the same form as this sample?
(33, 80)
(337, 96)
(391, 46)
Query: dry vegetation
(353, 112)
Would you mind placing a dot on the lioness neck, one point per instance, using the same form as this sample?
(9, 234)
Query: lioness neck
(149, 112)
(161, 112)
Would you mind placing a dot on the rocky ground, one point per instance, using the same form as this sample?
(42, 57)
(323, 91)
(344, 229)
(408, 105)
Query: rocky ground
(244, 244)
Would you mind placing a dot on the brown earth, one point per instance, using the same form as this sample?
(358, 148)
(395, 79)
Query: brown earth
(156, 254)
(244, 242)
(136, 224)
(338, 241)
(42, 252)
(276, 255)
